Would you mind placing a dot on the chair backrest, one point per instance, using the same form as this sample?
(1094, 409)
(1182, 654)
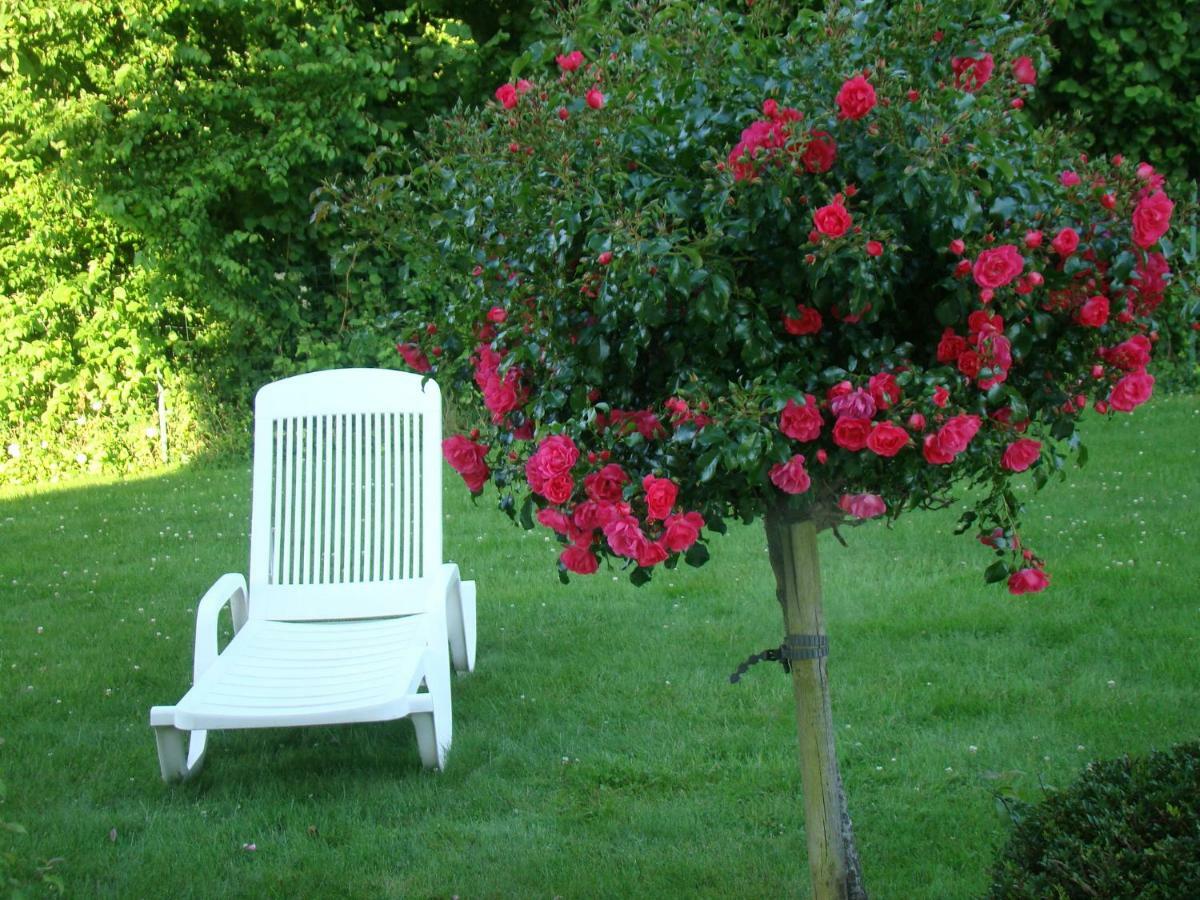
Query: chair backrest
(347, 494)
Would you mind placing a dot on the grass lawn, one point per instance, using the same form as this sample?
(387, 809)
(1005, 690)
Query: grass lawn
(599, 749)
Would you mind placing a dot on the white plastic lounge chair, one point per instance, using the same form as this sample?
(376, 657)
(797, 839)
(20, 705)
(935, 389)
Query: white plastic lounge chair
(349, 607)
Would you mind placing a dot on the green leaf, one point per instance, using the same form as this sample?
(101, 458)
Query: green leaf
(1063, 429)
(997, 571)
(697, 555)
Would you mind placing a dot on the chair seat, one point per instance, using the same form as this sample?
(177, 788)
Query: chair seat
(311, 673)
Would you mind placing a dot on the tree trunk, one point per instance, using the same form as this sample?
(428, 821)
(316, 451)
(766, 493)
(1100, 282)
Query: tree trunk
(832, 854)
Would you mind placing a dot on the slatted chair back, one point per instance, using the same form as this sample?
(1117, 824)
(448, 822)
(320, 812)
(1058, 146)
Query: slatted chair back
(347, 495)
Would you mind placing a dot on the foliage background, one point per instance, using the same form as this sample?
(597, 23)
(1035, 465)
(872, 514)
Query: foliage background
(157, 160)
(1126, 80)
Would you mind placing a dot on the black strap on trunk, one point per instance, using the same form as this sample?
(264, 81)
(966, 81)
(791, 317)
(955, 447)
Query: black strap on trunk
(794, 647)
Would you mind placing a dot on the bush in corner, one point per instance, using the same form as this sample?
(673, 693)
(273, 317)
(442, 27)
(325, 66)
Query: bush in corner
(1129, 827)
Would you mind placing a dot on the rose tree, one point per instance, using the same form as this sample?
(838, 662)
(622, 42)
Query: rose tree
(827, 274)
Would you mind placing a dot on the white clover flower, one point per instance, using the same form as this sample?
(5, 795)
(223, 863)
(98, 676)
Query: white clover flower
(14, 450)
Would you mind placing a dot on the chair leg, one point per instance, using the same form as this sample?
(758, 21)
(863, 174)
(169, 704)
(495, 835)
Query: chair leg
(433, 756)
(180, 753)
(435, 725)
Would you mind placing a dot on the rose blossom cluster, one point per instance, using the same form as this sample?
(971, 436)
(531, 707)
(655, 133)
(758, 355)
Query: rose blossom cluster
(509, 95)
(503, 392)
(955, 405)
(468, 458)
(853, 419)
(813, 151)
(582, 511)
(984, 355)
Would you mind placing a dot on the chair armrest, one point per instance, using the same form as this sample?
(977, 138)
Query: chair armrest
(231, 589)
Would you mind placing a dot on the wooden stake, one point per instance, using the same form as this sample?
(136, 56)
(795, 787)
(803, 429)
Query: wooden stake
(832, 854)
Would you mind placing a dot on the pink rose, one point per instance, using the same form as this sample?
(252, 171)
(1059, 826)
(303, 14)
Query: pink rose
(933, 452)
(467, 459)
(1068, 178)
(851, 434)
(957, 433)
(832, 220)
(1131, 391)
(819, 153)
(1028, 581)
(416, 360)
(970, 73)
(801, 423)
(874, 248)
(1020, 455)
(651, 554)
(809, 321)
(463, 453)
(950, 347)
(1094, 312)
(998, 266)
(1151, 219)
(884, 389)
(487, 361)
(1024, 71)
(558, 454)
(507, 95)
(590, 515)
(605, 486)
(841, 389)
(857, 404)
(969, 363)
(594, 98)
(887, 439)
(1150, 282)
(941, 396)
(660, 496)
(682, 531)
(862, 506)
(856, 98)
(995, 353)
(1033, 239)
(579, 559)
(570, 62)
(791, 477)
(1065, 242)
(950, 440)
(1130, 355)
(625, 537)
(980, 322)
(501, 396)
(554, 520)
(558, 488)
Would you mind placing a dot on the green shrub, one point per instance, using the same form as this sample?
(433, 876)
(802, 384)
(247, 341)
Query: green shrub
(1127, 74)
(1129, 69)
(1129, 827)
(156, 160)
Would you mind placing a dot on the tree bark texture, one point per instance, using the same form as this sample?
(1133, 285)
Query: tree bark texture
(832, 854)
